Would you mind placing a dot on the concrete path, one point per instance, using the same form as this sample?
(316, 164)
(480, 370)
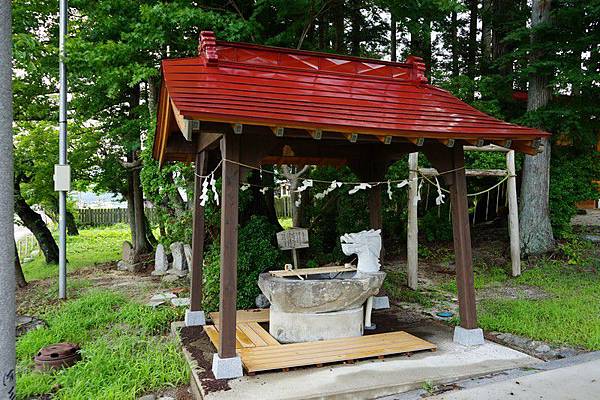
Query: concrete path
(372, 379)
(577, 382)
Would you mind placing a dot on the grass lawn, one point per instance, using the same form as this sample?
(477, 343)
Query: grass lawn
(91, 246)
(125, 350)
(568, 313)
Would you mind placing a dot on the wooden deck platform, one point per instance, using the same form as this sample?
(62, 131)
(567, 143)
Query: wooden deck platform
(259, 351)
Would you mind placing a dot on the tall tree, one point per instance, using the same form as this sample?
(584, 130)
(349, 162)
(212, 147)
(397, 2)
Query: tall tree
(7, 272)
(19, 275)
(535, 228)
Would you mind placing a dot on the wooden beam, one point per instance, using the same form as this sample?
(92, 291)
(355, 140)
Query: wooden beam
(469, 172)
(412, 231)
(462, 240)
(206, 140)
(230, 150)
(476, 142)
(385, 139)
(503, 143)
(417, 141)
(526, 146)
(490, 147)
(197, 236)
(278, 131)
(352, 137)
(237, 128)
(447, 142)
(513, 214)
(316, 134)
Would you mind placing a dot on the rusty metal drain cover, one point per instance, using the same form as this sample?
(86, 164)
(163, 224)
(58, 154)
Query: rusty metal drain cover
(57, 356)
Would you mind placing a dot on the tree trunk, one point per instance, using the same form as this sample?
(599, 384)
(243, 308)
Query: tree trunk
(294, 179)
(338, 24)
(472, 49)
(72, 229)
(19, 276)
(486, 35)
(149, 234)
(355, 23)
(393, 39)
(321, 31)
(141, 244)
(420, 44)
(34, 222)
(534, 221)
(454, 42)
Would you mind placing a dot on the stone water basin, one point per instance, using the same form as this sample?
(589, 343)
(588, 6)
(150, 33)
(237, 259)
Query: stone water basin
(320, 307)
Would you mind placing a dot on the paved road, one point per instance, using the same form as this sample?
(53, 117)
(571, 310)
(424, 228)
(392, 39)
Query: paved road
(576, 382)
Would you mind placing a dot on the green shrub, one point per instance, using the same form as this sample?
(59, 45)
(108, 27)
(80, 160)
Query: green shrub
(434, 227)
(257, 252)
(571, 180)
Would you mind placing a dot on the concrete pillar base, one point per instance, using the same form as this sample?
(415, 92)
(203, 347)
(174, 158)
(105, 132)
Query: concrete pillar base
(194, 318)
(227, 368)
(468, 337)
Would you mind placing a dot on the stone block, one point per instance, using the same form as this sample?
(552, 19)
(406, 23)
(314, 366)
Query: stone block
(468, 337)
(310, 327)
(187, 252)
(180, 267)
(161, 261)
(227, 368)
(381, 303)
(194, 318)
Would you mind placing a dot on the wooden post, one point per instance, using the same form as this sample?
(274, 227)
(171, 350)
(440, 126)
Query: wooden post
(513, 214)
(462, 240)
(375, 217)
(412, 231)
(230, 150)
(198, 236)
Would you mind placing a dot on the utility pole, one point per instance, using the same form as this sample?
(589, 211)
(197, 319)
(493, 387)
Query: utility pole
(62, 171)
(7, 255)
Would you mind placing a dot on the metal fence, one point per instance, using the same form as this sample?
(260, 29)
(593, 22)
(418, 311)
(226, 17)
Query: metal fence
(283, 207)
(26, 246)
(108, 216)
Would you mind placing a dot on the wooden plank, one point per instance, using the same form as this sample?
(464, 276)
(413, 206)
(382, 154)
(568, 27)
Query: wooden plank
(337, 350)
(247, 330)
(213, 334)
(243, 339)
(197, 236)
(230, 150)
(313, 271)
(264, 335)
(242, 316)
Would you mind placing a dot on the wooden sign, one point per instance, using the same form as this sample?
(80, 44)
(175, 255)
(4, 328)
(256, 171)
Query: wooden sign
(295, 238)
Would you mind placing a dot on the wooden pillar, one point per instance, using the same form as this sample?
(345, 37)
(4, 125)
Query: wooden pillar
(230, 150)
(198, 236)
(513, 214)
(375, 217)
(412, 230)
(462, 240)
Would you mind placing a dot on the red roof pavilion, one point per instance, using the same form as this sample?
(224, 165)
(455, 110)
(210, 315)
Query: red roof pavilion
(276, 87)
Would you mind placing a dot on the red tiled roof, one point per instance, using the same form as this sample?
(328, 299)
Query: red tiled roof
(260, 85)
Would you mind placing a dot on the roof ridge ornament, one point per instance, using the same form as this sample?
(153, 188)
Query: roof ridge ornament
(207, 48)
(417, 69)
